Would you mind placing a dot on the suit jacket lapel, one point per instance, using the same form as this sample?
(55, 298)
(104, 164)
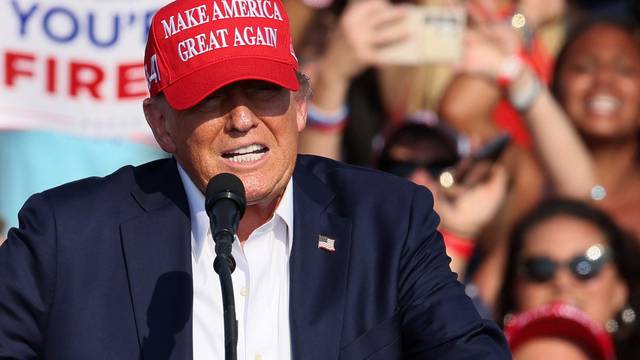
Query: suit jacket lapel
(157, 251)
(318, 277)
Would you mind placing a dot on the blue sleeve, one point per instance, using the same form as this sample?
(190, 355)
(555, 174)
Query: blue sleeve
(27, 281)
(439, 320)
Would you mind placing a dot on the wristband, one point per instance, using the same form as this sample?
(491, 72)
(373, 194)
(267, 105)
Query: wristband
(510, 68)
(327, 122)
(523, 97)
(459, 245)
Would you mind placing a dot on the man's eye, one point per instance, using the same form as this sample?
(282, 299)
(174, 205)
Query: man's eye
(209, 103)
(265, 90)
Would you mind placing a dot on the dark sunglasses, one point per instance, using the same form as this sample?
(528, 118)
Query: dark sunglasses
(406, 168)
(584, 267)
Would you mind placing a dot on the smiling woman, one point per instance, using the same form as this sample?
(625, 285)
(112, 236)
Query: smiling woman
(597, 83)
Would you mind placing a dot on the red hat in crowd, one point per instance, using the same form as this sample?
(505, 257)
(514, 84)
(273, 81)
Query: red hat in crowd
(196, 47)
(564, 321)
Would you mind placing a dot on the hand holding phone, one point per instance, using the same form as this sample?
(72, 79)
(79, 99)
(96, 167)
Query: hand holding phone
(435, 36)
(472, 208)
(476, 167)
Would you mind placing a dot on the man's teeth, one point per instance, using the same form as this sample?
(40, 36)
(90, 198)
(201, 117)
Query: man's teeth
(246, 157)
(603, 104)
(246, 154)
(248, 149)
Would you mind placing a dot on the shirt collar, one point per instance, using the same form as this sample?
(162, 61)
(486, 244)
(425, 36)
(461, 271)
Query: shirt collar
(200, 219)
(285, 212)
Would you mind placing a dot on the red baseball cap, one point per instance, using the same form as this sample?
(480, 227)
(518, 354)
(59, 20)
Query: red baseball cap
(564, 321)
(196, 47)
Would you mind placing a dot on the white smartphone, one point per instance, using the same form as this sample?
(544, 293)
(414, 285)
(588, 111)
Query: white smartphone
(436, 36)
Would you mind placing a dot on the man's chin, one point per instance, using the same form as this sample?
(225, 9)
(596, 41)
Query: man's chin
(262, 199)
(265, 198)
(263, 190)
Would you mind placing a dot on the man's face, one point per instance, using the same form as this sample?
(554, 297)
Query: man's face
(249, 128)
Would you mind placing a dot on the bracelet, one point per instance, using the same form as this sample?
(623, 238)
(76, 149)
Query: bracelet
(510, 68)
(522, 98)
(319, 120)
(459, 245)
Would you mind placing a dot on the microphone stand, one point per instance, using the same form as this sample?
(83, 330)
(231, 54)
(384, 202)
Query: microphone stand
(225, 203)
(224, 265)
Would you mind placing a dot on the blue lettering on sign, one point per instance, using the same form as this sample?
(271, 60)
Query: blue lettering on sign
(48, 28)
(147, 23)
(24, 16)
(64, 24)
(114, 35)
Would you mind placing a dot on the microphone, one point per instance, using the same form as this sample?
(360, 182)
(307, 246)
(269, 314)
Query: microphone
(225, 203)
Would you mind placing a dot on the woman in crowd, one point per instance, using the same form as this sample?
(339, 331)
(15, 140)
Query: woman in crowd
(359, 92)
(597, 82)
(557, 331)
(426, 154)
(568, 251)
(585, 131)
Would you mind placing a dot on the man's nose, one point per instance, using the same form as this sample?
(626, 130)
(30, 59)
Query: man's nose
(241, 118)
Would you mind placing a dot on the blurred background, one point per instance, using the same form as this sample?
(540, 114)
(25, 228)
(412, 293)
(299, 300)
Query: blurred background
(521, 116)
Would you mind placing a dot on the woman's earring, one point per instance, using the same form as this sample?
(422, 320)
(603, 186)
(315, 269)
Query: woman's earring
(627, 317)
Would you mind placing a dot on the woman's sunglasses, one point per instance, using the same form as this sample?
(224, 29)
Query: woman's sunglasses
(584, 267)
(406, 168)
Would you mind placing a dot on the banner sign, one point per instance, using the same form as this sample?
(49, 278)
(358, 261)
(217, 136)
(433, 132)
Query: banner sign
(75, 66)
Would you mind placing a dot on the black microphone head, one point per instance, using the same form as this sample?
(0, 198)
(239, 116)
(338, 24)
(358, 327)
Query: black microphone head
(225, 186)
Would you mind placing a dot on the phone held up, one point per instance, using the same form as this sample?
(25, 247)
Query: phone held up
(476, 167)
(436, 35)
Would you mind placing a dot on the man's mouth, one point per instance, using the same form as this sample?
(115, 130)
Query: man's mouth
(244, 154)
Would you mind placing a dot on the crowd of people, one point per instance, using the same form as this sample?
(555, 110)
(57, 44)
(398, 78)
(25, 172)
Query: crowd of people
(528, 142)
(562, 80)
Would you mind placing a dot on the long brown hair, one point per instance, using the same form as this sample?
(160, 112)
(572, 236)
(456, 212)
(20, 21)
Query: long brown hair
(625, 259)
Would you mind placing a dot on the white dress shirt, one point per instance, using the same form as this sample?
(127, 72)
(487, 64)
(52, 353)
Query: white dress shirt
(260, 284)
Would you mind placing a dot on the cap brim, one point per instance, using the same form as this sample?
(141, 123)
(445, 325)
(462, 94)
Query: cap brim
(560, 327)
(189, 90)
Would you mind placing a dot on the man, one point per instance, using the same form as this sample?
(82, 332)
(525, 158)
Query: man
(334, 262)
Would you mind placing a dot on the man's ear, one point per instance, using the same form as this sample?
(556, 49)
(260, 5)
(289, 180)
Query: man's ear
(301, 113)
(156, 114)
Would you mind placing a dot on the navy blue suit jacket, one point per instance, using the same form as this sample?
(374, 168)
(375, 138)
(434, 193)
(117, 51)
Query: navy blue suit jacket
(101, 269)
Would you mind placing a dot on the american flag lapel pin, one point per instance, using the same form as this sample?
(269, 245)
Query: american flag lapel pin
(326, 243)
